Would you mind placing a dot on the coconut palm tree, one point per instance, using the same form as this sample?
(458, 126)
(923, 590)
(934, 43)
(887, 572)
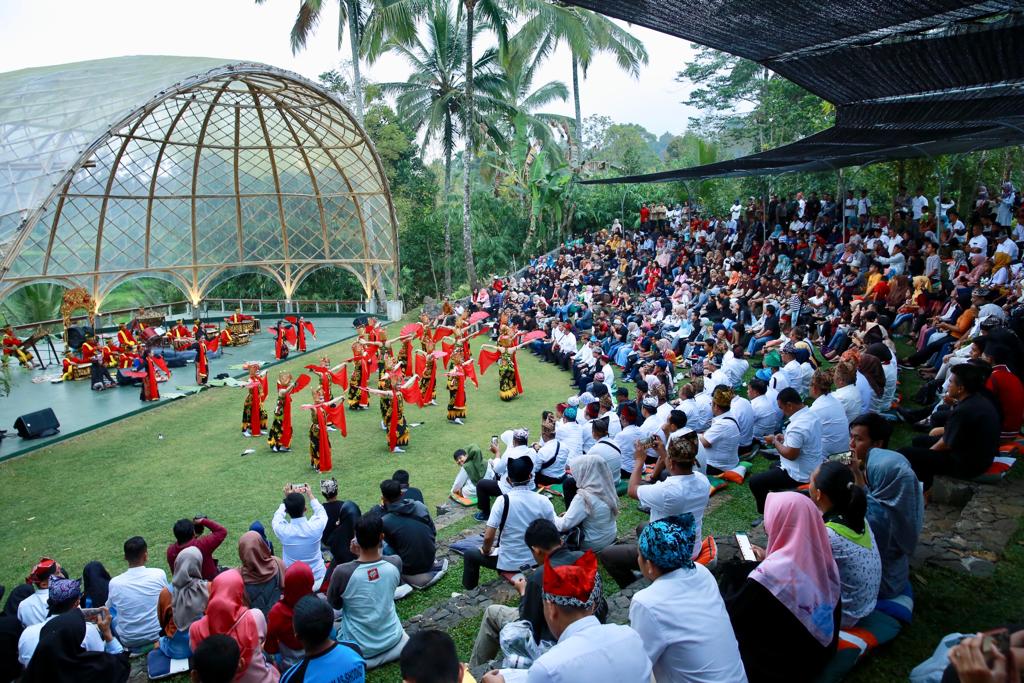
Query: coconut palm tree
(586, 34)
(351, 19)
(432, 100)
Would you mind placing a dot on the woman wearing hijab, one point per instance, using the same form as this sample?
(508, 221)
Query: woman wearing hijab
(183, 604)
(281, 639)
(1000, 269)
(843, 506)
(95, 585)
(262, 572)
(870, 368)
(786, 613)
(595, 505)
(60, 658)
(915, 305)
(681, 617)
(228, 614)
(890, 376)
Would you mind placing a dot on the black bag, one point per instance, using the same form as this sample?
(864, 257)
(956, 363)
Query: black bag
(573, 539)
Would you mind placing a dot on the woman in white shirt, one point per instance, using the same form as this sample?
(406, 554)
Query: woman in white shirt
(595, 505)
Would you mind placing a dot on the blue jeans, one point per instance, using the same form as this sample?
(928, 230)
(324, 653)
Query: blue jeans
(900, 319)
(756, 344)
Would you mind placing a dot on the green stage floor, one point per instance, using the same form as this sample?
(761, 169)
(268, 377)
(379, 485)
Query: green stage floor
(79, 409)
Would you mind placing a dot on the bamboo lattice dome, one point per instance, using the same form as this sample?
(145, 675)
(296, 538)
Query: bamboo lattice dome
(187, 169)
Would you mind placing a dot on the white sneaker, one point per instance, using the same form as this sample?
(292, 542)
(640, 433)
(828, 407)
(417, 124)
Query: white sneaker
(457, 421)
(332, 428)
(247, 433)
(402, 591)
(382, 427)
(432, 403)
(414, 424)
(397, 449)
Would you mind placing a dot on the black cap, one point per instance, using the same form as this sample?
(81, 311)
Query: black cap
(520, 469)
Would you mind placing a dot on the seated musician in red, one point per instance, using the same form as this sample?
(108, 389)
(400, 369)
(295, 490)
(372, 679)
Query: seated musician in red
(13, 347)
(238, 316)
(126, 341)
(179, 331)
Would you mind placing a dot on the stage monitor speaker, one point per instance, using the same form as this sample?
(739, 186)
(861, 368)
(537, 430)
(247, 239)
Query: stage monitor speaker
(38, 424)
(77, 335)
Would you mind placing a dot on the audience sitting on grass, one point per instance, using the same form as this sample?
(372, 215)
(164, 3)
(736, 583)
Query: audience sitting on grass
(263, 573)
(430, 657)
(503, 548)
(325, 660)
(282, 641)
(799, 449)
(63, 600)
(182, 604)
(216, 660)
(133, 595)
(33, 608)
(341, 519)
(408, 532)
(300, 537)
(67, 651)
(364, 591)
(188, 533)
(594, 505)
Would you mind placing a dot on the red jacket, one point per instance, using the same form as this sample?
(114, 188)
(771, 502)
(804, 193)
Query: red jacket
(207, 543)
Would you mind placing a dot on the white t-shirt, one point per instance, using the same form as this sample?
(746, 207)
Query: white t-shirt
(33, 609)
(849, 396)
(776, 383)
(28, 641)
(744, 414)
(979, 241)
(133, 596)
(686, 631)
(570, 435)
(607, 450)
(556, 452)
(676, 495)
(835, 428)
(917, 205)
(626, 441)
(803, 432)
(724, 437)
(524, 507)
(767, 415)
(300, 539)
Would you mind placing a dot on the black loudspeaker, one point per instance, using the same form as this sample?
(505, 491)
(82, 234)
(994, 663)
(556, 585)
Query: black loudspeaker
(38, 424)
(77, 335)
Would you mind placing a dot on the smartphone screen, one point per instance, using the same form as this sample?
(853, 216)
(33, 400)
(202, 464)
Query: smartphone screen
(746, 550)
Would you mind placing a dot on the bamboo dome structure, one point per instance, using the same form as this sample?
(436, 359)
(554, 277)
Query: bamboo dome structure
(187, 169)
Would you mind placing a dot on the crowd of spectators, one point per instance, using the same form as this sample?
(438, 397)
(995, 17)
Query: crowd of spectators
(691, 346)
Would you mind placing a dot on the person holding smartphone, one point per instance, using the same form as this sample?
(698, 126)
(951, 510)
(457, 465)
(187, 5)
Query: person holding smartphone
(64, 597)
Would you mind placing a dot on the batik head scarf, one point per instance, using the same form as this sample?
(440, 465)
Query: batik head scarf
(576, 585)
(798, 568)
(668, 543)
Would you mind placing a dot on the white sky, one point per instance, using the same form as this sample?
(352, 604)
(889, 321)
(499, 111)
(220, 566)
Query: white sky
(61, 31)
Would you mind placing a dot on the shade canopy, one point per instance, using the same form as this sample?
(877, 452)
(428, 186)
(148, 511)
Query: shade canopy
(186, 169)
(914, 78)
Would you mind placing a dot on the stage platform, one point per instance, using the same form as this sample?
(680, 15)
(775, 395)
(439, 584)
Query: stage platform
(80, 409)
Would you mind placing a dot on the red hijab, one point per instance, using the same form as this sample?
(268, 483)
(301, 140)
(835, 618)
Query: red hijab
(228, 613)
(298, 583)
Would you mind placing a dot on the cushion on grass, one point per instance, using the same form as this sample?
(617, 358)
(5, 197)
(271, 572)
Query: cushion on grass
(901, 607)
(708, 553)
(427, 579)
(873, 630)
(159, 666)
(462, 500)
(738, 474)
(717, 484)
(995, 473)
(553, 489)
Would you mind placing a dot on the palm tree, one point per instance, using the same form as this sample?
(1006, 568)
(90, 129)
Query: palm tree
(351, 17)
(496, 14)
(509, 92)
(432, 100)
(586, 34)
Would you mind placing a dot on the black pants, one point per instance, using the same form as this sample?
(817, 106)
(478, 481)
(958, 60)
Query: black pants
(774, 479)
(471, 563)
(935, 344)
(485, 490)
(927, 463)
(544, 480)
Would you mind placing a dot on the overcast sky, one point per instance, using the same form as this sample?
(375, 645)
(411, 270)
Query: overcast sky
(61, 31)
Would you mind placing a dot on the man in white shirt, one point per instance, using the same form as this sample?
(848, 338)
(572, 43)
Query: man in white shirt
(587, 650)
(791, 369)
(605, 447)
(133, 596)
(681, 616)
(743, 413)
(683, 490)
(516, 441)
(552, 457)
(627, 438)
(698, 412)
(918, 205)
(566, 347)
(735, 365)
(33, 609)
(504, 547)
(1007, 246)
(300, 537)
(64, 595)
(568, 432)
(978, 244)
(719, 446)
(835, 428)
(767, 416)
(799, 450)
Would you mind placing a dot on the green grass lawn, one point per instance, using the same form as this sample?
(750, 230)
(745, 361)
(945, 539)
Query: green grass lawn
(80, 499)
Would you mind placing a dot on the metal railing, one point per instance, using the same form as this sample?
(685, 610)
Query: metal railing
(184, 309)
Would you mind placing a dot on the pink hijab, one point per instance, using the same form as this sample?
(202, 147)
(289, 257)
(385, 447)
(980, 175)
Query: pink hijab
(798, 568)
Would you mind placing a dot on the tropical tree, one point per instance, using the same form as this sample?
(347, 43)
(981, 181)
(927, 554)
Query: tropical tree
(351, 18)
(508, 91)
(496, 15)
(586, 34)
